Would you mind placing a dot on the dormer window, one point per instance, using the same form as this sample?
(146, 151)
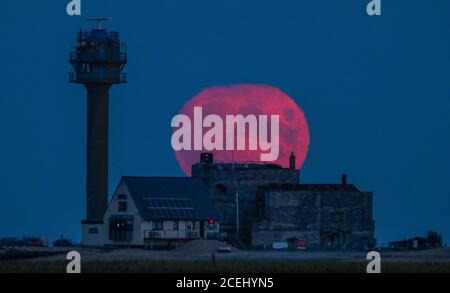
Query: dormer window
(122, 196)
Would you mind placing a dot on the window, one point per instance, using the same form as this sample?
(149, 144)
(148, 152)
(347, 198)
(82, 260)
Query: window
(93, 230)
(157, 226)
(121, 228)
(123, 207)
(189, 225)
(122, 196)
(175, 225)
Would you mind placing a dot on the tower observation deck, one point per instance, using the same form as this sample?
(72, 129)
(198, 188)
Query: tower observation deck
(98, 60)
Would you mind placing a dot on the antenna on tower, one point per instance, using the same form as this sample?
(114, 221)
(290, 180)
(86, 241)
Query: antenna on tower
(99, 21)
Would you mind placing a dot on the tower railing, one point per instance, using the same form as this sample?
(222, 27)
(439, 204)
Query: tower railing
(97, 77)
(84, 35)
(92, 57)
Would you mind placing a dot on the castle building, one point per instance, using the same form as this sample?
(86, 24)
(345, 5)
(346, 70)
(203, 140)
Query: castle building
(334, 216)
(255, 205)
(259, 205)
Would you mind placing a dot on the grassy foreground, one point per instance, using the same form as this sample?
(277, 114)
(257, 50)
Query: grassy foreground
(222, 267)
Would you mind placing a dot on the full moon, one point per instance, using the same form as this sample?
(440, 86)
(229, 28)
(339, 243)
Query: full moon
(250, 99)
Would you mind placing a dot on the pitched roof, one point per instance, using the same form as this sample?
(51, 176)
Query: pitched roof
(171, 198)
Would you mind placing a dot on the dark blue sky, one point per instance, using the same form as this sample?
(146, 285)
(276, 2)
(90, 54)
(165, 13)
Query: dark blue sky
(376, 93)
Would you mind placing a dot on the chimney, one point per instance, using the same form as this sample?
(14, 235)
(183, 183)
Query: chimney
(344, 179)
(292, 162)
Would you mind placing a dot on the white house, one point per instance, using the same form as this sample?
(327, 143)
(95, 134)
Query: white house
(154, 211)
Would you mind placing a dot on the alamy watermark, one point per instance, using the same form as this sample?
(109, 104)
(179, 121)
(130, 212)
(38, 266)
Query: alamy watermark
(74, 8)
(74, 266)
(374, 266)
(229, 135)
(374, 8)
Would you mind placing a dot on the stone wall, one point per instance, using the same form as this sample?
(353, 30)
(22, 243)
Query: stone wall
(327, 219)
(223, 185)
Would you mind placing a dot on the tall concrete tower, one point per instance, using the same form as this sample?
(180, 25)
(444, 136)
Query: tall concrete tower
(98, 61)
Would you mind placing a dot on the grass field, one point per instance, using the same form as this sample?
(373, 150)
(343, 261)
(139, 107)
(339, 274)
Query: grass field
(191, 261)
(223, 267)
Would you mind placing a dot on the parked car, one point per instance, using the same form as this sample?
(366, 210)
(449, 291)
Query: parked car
(63, 243)
(11, 242)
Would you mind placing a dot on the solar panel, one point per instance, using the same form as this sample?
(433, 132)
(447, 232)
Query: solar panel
(179, 214)
(165, 203)
(170, 208)
(183, 203)
(176, 204)
(172, 213)
(170, 204)
(151, 213)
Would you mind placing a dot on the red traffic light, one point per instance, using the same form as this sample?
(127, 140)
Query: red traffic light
(212, 221)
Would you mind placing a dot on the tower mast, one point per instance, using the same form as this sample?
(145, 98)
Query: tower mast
(98, 61)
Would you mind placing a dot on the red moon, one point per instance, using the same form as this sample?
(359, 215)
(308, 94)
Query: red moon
(250, 99)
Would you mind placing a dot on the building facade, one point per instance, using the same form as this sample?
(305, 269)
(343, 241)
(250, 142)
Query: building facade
(153, 211)
(262, 204)
(332, 216)
(256, 205)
